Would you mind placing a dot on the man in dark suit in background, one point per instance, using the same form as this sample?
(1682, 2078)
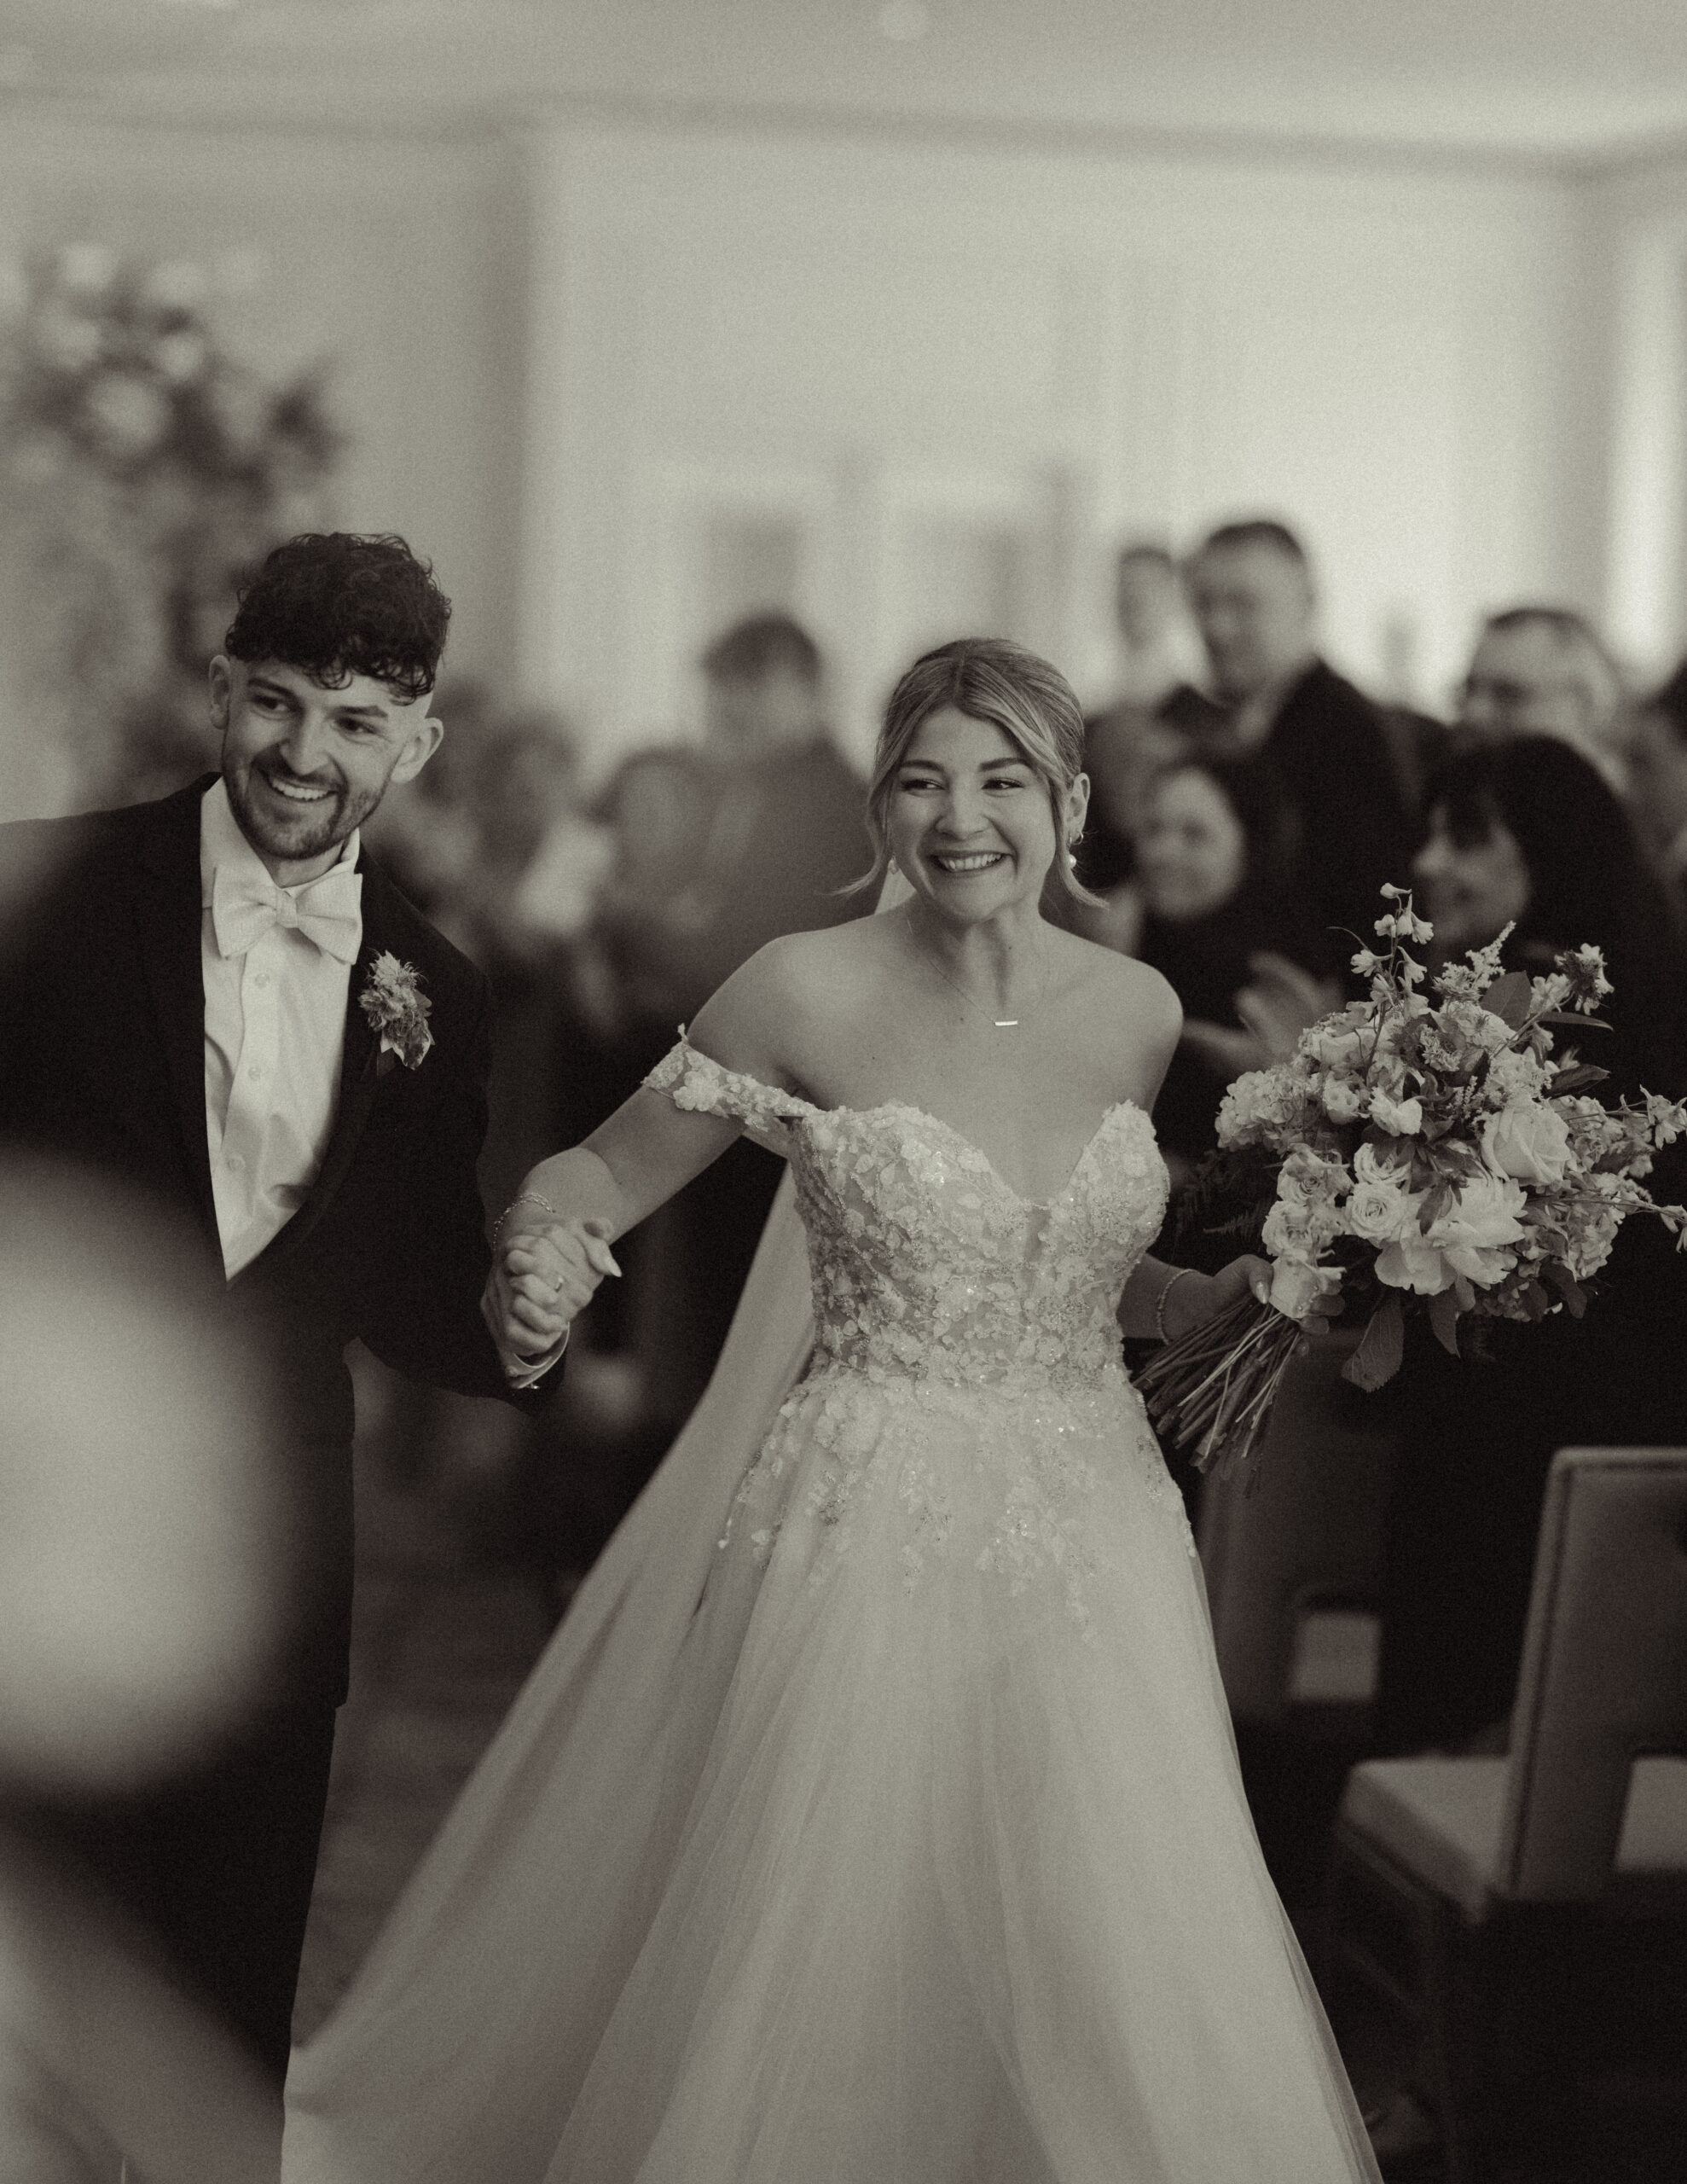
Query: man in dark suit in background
(220, 999)
(1251, 589)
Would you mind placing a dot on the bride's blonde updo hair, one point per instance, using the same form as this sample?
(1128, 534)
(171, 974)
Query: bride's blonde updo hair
(993, 680)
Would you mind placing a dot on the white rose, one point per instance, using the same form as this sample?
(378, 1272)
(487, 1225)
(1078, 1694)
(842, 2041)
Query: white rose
(1400, 1117)
(1382, 1164)
(1287, 1233)
(1531, 1144)
(1378, 1212)
(1297, 1290)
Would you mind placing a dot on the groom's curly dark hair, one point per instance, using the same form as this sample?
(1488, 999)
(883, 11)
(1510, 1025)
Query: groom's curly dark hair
(338, 604)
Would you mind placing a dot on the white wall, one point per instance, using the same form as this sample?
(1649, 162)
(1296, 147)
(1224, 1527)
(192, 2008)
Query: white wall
(1639, 221)
(907, 388)
(620, 381)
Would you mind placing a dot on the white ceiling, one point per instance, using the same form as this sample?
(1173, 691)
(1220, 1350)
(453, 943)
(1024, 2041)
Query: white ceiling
(1580, 81)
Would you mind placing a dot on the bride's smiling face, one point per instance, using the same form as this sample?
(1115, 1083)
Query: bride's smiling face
(969, 821)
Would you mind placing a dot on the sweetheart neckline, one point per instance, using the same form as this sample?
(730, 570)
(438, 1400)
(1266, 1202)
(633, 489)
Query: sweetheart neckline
(925, 1114)
(1032, 1204)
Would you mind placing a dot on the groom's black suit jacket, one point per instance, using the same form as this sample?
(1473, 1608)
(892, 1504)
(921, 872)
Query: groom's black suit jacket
(103, 1062)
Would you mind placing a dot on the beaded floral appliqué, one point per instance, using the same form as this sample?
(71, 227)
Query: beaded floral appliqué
(966, 1401)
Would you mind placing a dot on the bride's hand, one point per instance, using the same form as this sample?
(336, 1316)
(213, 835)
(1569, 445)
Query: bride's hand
(541, 1278)
(1198, 1298)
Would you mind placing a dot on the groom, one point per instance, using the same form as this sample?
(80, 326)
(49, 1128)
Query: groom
(219, 998)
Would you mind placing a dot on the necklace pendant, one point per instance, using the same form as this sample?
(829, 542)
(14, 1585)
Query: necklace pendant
(1005, 1022)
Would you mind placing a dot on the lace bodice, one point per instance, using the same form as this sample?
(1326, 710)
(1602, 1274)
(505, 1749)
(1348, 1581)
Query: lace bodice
(926, 1264)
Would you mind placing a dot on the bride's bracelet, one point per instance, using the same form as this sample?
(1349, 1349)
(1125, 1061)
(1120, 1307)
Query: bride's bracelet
(1166, 1288)
(533, 1199)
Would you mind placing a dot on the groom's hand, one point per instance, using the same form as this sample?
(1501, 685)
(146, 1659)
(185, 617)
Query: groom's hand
(540, 1279)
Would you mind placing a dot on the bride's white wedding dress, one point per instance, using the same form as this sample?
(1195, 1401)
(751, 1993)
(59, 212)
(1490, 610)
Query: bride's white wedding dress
(874, 1816)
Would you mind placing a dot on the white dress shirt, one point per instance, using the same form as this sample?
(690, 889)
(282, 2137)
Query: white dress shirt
(275, 1035)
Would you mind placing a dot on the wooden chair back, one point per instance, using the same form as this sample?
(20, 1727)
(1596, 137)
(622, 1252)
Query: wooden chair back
(1604, 1670)
(1311, 1530)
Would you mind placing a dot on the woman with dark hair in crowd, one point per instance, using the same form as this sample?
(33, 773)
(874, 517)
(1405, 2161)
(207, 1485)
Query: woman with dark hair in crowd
(1224, 924)
(1526, 833)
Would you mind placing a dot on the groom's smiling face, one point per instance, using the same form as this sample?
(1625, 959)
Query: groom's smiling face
(303, 764)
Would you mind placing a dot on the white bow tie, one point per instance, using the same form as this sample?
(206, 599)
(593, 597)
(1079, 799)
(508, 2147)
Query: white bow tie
(328, 910)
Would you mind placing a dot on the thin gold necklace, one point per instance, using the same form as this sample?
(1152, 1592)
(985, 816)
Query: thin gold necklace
(999, 1023)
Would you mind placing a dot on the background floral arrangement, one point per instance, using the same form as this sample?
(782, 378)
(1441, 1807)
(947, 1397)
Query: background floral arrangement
(143, 473)
(1416, 1153)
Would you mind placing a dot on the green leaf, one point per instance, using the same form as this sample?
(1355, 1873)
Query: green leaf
(1444, 1319)
(1574, 1023)
(1509, 999)
(1381, 1347)
(1579, 1078)
(1434, 1204)
(1575, 1296)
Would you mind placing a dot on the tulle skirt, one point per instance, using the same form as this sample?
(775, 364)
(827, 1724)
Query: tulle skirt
(877, 1822)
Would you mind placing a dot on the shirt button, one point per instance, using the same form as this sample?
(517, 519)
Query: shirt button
(254, 1072)
(262, 979)
(237, 1163)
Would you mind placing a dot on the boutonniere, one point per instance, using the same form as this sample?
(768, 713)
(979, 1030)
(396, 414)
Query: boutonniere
(393, 1003)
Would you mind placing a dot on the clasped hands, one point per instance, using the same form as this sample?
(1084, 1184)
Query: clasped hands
(544, 1275)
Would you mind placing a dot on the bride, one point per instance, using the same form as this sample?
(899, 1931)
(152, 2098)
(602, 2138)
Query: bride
(873, 1816)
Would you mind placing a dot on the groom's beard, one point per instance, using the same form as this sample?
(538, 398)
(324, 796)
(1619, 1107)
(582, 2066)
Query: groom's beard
(318, 819)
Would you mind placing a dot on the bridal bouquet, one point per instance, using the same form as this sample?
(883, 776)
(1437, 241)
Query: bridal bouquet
(1416, 1154)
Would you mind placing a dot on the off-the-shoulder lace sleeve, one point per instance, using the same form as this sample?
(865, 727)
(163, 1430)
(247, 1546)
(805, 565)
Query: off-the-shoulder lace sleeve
(703, 1086)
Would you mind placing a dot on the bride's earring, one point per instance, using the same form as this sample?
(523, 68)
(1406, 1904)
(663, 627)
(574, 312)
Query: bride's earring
(892, 868)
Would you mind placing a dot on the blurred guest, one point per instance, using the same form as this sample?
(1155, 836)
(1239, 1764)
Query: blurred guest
(515, 902)
(788, 829)
(1154, 708)
(521, 903)
(1545, 671)
(1657, 762)
(424, 828)
(1159, 652)
(1218, 851)
(627, 988)
(1254, 602)
(221, 999)
(537, 857)
(657, 806)
(718, 852)
(1526, 832)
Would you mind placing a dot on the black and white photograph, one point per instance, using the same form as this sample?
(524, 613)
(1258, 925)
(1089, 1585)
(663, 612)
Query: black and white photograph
(843, 1092)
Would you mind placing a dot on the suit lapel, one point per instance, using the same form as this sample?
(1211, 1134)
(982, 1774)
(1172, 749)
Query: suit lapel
(168, 923)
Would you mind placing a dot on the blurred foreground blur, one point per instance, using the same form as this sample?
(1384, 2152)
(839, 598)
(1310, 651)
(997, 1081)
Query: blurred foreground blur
(142, 1556)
